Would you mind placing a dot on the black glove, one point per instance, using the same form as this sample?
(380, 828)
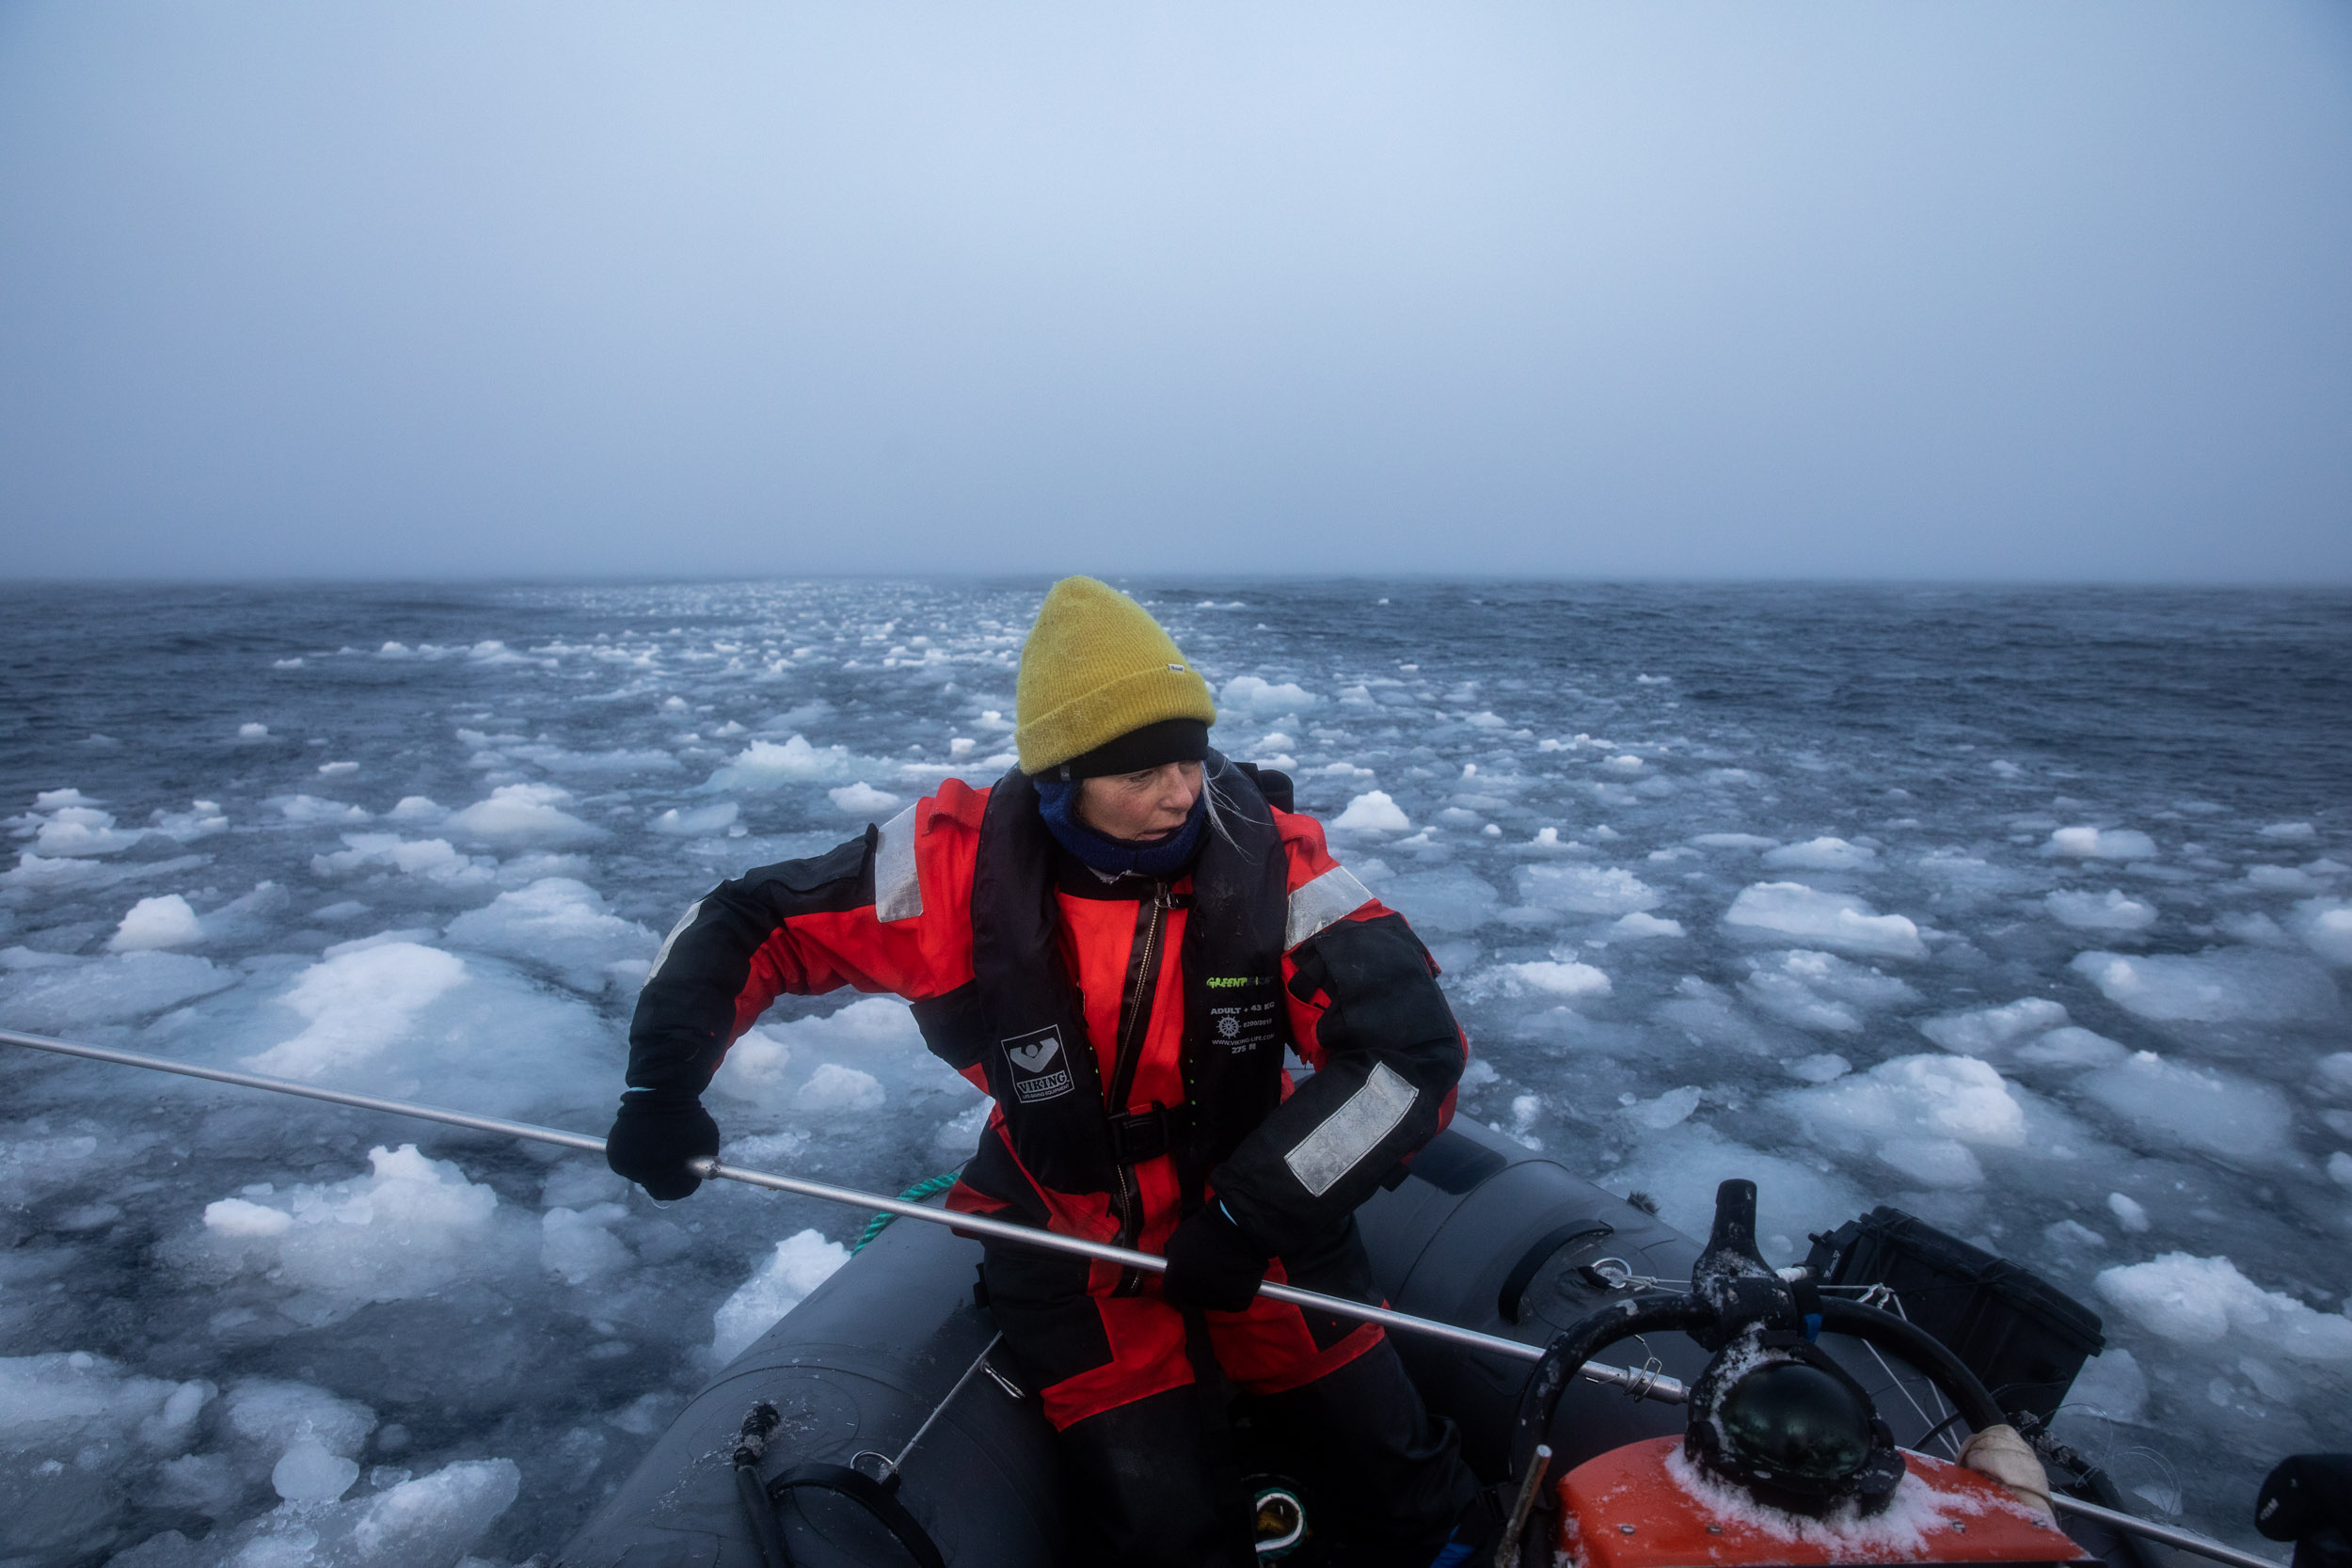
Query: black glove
(2308, 1501)
(1212, 1265)
(652, 1139)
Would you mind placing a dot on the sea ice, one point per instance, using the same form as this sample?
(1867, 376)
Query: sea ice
(766, 766)
(1585, 890)
(1642, 927)
(558, 924)
(2201, 1301)
(2196, 1108)
(2230, 985)
(60, 999)
(435, 859)
(1833, 919)
(309, 811)
(1823, 854)
(358, 1001)
(1372, 811)
(1451, 899)
(1991, 1031)
(863, 799)
(577, 1244)
(73, 1426)
(1548, 978)
(835, 1088)
(1926, 1116)
(523, 816)
(202, 820)
(2111, 1387)
(66, 1400)
(2325, 925)
(307, 1473)
(691, 824)
(2128, 1212)
(1819, 991)
(1669, 1109)
(2110, 910)
(166, 921)
(405, 1229)
(1253, 696)
(72, 831)
(2101, 844)
(429, 1522)
(800, 1262)
(2070, 1047)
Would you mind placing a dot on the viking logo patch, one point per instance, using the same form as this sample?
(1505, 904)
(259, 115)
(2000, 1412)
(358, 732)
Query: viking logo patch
(1039, 1070)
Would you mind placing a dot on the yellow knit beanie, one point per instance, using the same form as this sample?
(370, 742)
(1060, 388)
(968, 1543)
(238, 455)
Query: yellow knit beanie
(1097, 666)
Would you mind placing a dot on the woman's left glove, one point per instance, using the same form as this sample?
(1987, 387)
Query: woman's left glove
(652, 1139)
(1212, 1265)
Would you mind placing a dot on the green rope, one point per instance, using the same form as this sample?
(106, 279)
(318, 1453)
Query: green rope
(916, 1193)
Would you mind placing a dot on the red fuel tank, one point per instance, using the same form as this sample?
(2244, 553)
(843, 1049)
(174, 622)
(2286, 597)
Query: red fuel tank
(1646, 1505)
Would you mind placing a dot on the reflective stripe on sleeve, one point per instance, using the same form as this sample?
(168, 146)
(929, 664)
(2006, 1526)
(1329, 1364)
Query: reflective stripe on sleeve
(671, 940)
(1353, 1130)
(1325, 901)
(897, 890)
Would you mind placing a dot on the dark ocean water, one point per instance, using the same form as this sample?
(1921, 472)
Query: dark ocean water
(2022, 909)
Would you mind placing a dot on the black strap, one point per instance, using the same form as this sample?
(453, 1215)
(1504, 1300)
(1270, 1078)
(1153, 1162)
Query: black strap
(870, 1495)
(1140, 1136)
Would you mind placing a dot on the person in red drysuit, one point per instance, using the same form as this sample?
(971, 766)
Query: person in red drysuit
(1117, 941)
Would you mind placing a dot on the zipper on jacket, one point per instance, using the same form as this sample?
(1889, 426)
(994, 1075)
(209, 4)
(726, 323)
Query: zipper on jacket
(1135, 1028)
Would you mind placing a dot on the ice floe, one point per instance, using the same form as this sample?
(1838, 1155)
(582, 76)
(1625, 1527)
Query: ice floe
(1926, 1117)
(2102, 844)
(408, 1227)
(800, 1262)
(2228, 985)
(2198, 1108)
(523, 816)
(1373, 812)
(1834, 919)
(2111, 910)
(166, 920)
(2202, 1301)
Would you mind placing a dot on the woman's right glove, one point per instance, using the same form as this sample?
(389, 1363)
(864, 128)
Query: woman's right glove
(652, 1139)
(1211, 1263)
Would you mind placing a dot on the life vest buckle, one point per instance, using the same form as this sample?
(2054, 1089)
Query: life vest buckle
(1140, 1136)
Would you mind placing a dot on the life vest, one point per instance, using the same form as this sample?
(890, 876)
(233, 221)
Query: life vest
(1020, 1022)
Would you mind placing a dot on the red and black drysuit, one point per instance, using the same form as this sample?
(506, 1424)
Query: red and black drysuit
(1131, 1032)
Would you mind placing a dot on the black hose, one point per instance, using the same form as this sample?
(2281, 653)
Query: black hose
(766, 1531)
(1922, 1349)
(1539, 1400)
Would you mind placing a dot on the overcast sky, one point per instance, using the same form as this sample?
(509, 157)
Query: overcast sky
(1973, 290)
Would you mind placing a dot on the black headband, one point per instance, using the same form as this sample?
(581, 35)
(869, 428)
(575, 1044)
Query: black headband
(1152, 746)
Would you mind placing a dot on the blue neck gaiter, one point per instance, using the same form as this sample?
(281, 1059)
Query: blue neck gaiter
(1057, 802)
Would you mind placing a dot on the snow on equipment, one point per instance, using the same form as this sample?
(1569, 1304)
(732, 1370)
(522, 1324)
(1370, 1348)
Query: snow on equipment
(1775, 1420)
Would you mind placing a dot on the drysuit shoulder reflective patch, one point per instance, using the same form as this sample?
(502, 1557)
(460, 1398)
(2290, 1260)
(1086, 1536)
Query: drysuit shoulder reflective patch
(1352, 1132)
(1325, 901)
(669, 942)
(897, 890)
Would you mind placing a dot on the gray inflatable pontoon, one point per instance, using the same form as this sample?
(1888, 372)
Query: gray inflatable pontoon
(1482, 1233)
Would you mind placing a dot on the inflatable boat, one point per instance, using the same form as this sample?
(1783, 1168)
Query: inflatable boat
(1815, 1414)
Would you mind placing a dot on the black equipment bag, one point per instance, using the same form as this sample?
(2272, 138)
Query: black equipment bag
(2024, 1338)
